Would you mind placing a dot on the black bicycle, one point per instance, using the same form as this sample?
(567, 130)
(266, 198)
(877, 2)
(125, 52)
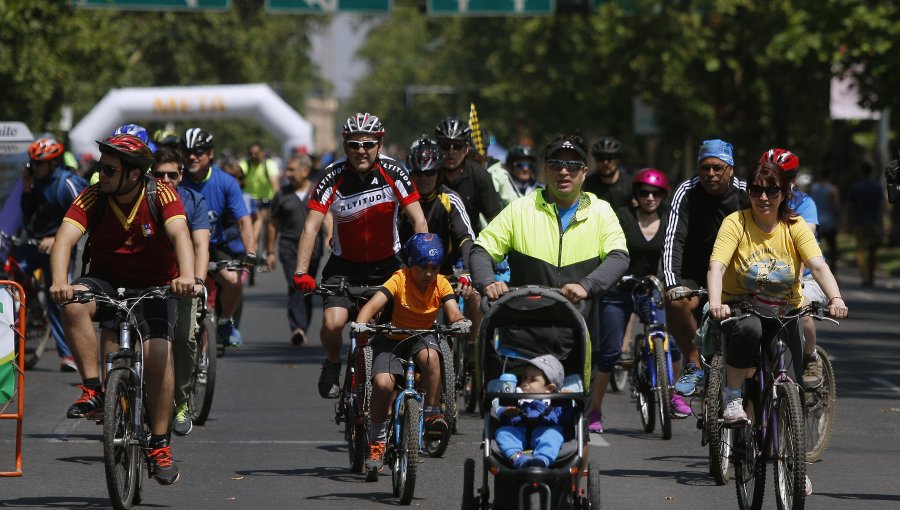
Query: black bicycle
(203, 376)
(126, 429)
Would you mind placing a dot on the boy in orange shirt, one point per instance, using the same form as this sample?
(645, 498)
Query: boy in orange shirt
(411, 299)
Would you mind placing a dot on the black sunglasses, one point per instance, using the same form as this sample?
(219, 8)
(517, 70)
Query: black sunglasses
(195, 152)
(107, 170)
(524, 165)
(573, 167)
(173, 176)
(713, 168)
(447, 145)
(756, 191)
(365, 144)
(427, 173)
(644, 193)
(604, 157)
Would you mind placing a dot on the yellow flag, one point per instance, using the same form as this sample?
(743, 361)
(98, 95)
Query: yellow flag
(476, 130)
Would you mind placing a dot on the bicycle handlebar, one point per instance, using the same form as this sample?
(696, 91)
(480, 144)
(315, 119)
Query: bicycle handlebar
(20, 241)
(390, 329)
(122, 295)
(816, 310)
(685, 294)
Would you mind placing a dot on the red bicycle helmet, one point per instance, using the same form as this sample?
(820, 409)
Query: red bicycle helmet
(784, 158)
(652, 177)
(128, 148)
(45, 149)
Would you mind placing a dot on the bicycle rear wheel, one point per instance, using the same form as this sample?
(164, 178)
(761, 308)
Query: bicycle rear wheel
(407, 458)
(749, 468)
(356, 399)
(448, 389)
(121, 446)
(821, 407)
(664, 389)
(646, 399)
(790, 453)
(720, 438)
(203, 378)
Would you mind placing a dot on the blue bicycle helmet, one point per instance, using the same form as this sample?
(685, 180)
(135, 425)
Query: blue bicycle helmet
(424, 249)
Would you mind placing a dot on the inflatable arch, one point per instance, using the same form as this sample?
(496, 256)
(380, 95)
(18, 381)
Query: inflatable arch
(255, 100)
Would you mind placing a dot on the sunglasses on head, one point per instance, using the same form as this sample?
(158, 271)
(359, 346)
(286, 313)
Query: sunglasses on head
(524, 165)
(365, 144)
(173, 175)
(756, 191)
(713, 168)
(447, 145)
(557, 165)
(107, 170)
(656, 193)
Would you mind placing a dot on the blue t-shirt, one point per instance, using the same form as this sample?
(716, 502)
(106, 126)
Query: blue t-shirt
(223, 198)
(566, 215)
(804, 206)
(194, 208)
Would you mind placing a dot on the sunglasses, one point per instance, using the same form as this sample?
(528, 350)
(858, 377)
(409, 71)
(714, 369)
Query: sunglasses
(429, 173)
(656, 193)
(107, 170)
(198, 153)
(365, 144)
(604, 157)
(524, 165)
(756, 191)
(713, 168)
(446, 146)
(173, 176)
(573, 167)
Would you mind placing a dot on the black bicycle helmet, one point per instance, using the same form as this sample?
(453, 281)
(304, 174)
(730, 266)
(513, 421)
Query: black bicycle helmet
(452, 128)
(424, 156)
(607, 146)
(196, 138)
(520, 152)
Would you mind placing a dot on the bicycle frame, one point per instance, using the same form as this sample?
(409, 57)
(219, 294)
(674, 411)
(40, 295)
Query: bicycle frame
(655, 337)
(409, 390)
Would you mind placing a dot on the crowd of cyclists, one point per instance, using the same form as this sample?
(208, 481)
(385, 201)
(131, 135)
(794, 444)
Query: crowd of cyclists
(158, 210)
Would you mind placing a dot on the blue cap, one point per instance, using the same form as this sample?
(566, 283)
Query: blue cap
(424, 249)
(716, 149)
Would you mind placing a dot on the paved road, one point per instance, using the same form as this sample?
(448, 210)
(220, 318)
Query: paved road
(271, 442)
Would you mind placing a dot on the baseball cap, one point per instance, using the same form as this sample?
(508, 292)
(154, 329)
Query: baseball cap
(716, 149)
(566, 142)
(551, 367)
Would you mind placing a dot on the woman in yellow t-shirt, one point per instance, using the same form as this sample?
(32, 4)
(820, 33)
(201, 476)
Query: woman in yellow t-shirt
(757, 257)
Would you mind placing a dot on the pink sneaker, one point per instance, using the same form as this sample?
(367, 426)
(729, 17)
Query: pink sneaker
(595, 422)
(680, 408)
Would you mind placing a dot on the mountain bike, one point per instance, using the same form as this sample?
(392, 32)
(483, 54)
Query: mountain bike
(126, 429)
(352, 408)
(821, 406)
(776, 430)
(203, 376)
(406, 422)
(37, 331)
(212, 299)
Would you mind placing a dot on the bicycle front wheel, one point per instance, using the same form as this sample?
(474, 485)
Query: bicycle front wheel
(203, 378)
(646, 399)
(720, 438)
(790, 453)
(749, 468)
(664, 389)
(407, 458)
(821, 407)
(448, 390)
(121, 446)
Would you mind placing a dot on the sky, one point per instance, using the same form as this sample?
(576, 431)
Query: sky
(334, 46)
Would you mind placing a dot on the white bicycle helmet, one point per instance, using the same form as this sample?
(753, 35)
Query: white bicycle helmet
(363, 123)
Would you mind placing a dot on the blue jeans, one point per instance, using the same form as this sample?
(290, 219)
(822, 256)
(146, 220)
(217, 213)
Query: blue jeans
(616, 308)
(545, 441)
(30, 259)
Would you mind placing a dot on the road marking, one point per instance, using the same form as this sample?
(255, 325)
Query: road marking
(884, 382)
(597, 440)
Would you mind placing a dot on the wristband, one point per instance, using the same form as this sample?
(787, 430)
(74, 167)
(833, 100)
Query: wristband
(835, 297)
(300, 273)
(198, 280)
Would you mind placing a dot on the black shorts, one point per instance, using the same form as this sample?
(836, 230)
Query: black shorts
(155, 317)
(221, 252)
(373, 274)
(387, 353)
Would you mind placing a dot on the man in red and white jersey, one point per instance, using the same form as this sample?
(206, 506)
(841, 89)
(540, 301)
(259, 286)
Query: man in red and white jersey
(364, 193)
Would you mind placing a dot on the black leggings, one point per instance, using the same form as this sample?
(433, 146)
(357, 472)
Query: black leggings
(743, 337)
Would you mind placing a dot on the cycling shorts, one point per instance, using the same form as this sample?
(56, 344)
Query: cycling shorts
(387, 359)
(155, 317)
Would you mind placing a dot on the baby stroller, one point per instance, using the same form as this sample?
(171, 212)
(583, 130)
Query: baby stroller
(523, 324)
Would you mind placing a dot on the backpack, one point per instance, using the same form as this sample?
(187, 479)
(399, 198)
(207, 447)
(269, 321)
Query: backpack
(150, 186)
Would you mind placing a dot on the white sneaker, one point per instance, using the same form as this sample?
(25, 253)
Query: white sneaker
(734, 412)
(808, 486)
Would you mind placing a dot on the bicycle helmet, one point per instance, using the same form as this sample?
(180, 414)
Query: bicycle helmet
(129, 149)
(45, 149)
(607, 146)
(424, 248)
(363, 123)
(196, 138)
(166, 138)
(452, 128)
(424, 156)
(784, 158)
(520, 152)
(652, 177)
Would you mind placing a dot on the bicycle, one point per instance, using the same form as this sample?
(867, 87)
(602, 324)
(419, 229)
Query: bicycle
(821, 407)
(406, 422)
(776, 430)
(126, 428)
(352, 408)
(37, 331)
(203, 376)
(651, 375)
(212, 300)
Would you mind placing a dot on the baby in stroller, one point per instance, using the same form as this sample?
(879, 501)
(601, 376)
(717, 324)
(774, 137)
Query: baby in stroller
(534, 423)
